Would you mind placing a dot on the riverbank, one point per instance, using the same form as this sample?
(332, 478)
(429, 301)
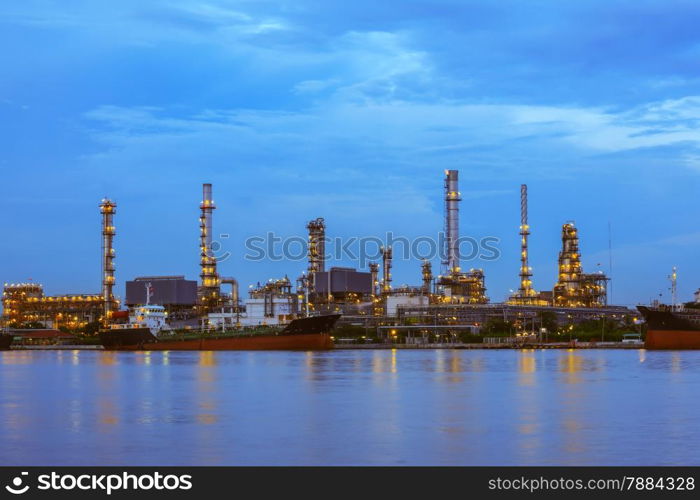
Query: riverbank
(549, 345)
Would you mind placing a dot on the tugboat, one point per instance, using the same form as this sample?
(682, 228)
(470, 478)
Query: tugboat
(671, 329)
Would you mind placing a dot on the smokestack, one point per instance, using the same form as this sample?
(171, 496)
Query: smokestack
(452, 199)
(108, 208)
(386, 268)
(317, 250)
(209, 276)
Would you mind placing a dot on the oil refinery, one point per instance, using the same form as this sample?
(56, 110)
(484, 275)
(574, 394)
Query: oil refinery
(455, 299)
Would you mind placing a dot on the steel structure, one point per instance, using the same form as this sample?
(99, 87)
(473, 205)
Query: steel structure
(316, 251)
(386, 269)
(574, 288)
(25, 304)
(427, 276)
(452, 199)
(374, 271)
(108, 208)
(526, 294)
(210, 288)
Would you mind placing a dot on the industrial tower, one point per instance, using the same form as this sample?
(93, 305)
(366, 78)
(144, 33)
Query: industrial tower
(108, 208)
(386, 269)
(316, 251)
(526, 294)
(427, 274)
(455, 285)
(575, 288)
(210, 289)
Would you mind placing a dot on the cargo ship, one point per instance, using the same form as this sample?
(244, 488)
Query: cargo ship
(149, 334)
(669, 329)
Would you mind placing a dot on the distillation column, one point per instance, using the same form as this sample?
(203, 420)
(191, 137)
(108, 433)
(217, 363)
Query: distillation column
(526, 292)
(374, 273)
(316, 251)
(210, 289)
(452, 199)
(427, 273)
(108, 208)
(567, 291)
(386, 268)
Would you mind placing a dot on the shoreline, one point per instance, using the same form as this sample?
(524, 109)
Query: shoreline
(459, 346)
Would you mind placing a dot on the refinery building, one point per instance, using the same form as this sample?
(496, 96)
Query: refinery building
(455, 298)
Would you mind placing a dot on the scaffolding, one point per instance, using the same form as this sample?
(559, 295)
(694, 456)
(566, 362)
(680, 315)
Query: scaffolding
(574, 288)
(25, 305)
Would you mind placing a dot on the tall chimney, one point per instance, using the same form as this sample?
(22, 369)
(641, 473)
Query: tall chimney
(108, 208)
(452, 199)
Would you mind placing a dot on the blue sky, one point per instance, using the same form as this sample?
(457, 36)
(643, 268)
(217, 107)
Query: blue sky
(349, 111)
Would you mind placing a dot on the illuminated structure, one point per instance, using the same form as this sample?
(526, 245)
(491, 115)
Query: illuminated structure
(455, 285)
(24, 305)
(526, 294)
(427, 275)
(387, 256)
(316, 251)
(210, 288)
(673, 278)
(374, 272)
(108, 208)
(272, 303)
(575, 288)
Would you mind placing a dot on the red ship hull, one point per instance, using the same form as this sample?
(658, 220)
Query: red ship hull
(305, 334)
(667, 329)
(672, 339)
(309, 342)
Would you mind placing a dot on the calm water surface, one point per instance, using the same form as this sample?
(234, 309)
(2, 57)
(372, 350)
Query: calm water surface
(350, 407)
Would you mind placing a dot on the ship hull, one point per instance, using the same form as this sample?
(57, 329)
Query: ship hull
(5, 342)
(672, 339)
(667, 330)
(303, 334)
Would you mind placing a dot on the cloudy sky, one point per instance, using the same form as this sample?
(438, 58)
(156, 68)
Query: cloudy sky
(350, 111)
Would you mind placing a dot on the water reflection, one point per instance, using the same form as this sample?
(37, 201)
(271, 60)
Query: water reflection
(349, 407)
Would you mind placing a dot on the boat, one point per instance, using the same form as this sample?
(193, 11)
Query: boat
(671, 329)
(5, 341)
(311, 333)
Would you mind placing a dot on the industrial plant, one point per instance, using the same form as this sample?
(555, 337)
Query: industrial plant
(454, 301)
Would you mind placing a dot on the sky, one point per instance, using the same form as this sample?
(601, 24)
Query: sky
(350, 111)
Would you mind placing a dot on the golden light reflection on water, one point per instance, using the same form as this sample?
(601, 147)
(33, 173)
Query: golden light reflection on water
(206, 388)
(527, 366)
(571, 364)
